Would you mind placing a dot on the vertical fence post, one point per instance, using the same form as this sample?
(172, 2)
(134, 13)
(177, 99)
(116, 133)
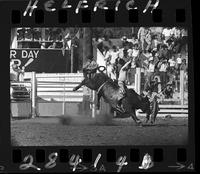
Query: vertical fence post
(182, 87)
(138, 80)
(33, 95)
(93, 104)
(72, 58)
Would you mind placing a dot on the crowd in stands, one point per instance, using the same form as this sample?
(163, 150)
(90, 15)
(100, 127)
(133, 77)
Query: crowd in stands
(161, 53)
(50, 38)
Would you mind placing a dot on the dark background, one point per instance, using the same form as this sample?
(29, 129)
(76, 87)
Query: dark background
(168, 8)
(48, 61)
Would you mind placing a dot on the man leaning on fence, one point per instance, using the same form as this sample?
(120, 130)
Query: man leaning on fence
(15, 72)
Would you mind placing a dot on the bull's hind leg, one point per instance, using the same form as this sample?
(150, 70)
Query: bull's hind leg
(128, 109)
(135, 118)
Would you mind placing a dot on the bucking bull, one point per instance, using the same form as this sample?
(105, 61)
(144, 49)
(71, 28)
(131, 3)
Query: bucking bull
(109, 90)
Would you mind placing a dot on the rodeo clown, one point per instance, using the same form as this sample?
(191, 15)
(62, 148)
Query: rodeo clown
(151, 91)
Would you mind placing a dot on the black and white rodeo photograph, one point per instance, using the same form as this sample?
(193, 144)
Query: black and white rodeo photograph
(95, 86)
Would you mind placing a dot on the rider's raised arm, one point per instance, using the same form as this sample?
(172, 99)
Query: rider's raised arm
(126, 64)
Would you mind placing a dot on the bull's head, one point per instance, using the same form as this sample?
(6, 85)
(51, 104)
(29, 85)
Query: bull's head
(95, 80)
(89, 75)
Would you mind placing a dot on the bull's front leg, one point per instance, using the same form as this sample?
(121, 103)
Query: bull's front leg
(79, 86)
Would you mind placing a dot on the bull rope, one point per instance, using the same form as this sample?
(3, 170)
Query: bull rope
(101, 87)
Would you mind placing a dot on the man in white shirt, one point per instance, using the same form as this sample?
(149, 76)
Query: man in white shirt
(178, 61)
(133, 55)
(123, 53)
(121, 80)
(111, 57)
(176, 32)
(184, 41)
(172, 64)
(167, 34)
(15, 72)
(150, 71)
(142, 36)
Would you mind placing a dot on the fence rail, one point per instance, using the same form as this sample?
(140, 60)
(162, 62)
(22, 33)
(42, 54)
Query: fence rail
(58, 88)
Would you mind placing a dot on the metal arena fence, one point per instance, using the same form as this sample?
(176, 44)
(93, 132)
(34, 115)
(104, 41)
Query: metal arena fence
(54, 91)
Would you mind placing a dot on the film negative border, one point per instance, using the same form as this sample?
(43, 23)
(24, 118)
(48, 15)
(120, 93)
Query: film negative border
(107, 160)
(109, 16)
(111, 159)
(85, 13)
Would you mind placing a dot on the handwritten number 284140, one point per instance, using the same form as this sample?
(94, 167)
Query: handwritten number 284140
(74, 162)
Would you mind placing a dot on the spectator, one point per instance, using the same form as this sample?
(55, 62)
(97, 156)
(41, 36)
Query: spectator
(163, 52)
(184, 35)
(134, 56)
(112, 57)
(185, 69)
(151, 69)
(154, 43)
(176, 32)
(163, 72)
(142, 36)
(53, 46)
(123, 53)
(130, 51)
(168, 90)
(100, 45)
(136, 51)
(167, 34)
(15, 72)
(124, 41)
(178, 62)
(183, 65)
(148, 39)
(43, 45)
(172, 64)
(134, 39)
(114, 54)
(150, 72)
(172, 68)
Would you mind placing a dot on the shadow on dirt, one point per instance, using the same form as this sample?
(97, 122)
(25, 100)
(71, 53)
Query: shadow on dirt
(105, 120)
(162, 125)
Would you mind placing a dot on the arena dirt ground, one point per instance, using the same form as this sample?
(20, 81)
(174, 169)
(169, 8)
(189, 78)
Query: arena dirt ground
(75, 131)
